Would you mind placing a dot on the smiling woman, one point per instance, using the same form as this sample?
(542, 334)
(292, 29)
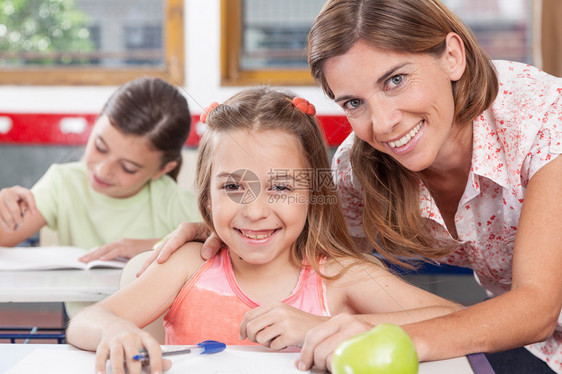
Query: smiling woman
(406, 94)
(453, 158)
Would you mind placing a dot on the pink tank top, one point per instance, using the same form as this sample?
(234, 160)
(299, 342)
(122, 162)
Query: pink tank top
(211, 306)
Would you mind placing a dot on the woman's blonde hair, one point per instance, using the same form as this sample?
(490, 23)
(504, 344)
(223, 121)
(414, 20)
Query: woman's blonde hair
(261, 109)
(391, 216)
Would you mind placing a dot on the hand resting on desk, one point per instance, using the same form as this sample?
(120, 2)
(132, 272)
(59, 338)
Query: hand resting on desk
(122, 248)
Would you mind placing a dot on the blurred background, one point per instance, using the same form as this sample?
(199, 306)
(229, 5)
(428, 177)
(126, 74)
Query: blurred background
(61, 59)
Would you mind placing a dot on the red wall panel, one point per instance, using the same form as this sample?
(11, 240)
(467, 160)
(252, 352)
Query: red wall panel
(74, 128)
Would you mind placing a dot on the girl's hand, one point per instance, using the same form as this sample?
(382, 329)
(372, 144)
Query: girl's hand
(121, 341)
(278, 325)
(186, 232)
(14, 203)
(124, 248)
(322, 340)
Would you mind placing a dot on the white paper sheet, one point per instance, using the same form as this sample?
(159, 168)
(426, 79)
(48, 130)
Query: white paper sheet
(234, 360)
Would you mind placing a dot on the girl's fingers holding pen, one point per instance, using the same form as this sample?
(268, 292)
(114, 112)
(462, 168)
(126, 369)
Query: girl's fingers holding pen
(166, 364)
(26, 197)
(12, 215)
(6, 220)
(14, 202)
(154, 352)
(102, 355)
(133, 366)
(117, 358)
(158, 364)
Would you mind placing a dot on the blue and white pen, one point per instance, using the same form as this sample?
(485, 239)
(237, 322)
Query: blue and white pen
(203, 348)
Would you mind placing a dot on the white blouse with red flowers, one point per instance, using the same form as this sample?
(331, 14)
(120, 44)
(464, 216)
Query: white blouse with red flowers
(518, 135)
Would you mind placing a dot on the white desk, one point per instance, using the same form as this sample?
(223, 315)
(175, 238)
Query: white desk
(58, 285)
(11, 355)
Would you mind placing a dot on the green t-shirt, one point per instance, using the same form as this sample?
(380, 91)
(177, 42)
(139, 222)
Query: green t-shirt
(85, 218)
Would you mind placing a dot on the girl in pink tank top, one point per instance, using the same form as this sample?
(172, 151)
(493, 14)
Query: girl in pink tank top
(265, 189)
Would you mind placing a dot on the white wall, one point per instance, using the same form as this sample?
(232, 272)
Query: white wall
(202, 64)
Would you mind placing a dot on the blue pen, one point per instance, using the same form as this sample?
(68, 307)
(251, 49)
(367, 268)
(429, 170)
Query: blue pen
(203, 348)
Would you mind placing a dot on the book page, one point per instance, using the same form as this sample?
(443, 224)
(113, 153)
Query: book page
(47, 258)
(117, 264)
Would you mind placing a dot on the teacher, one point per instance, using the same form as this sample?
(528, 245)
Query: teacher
(452, 158)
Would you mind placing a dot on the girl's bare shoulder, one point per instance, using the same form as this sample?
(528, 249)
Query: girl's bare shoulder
(188, 255)
(181, 264)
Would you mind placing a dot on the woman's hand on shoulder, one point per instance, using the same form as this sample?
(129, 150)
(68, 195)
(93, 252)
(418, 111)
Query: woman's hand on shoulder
(121, 341)
(15, 202)
(321, 341)
(186, 232)
(185, 260)
(278, 325)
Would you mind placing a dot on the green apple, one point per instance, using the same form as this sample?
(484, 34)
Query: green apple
(386, 349)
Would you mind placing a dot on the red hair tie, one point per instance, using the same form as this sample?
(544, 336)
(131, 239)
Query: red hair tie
(303, 105)
(208, 110)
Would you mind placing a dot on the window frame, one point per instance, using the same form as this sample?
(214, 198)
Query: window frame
(172, 71)
(231, 41)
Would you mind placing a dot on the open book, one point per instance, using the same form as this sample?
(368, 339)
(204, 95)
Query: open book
(52, 257)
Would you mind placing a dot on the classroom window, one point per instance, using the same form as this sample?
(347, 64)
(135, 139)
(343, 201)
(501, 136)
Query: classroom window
(503, 27)
(264, 41)
(90, 42)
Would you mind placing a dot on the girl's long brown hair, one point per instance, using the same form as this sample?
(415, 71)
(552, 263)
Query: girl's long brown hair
(261, 109)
